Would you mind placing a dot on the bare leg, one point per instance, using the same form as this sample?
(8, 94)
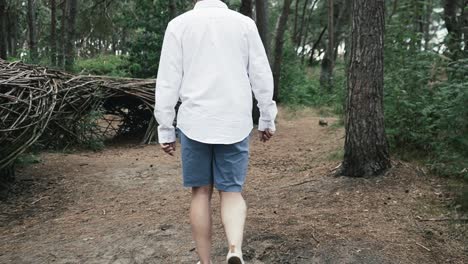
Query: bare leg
(233, 214)
(200, 219)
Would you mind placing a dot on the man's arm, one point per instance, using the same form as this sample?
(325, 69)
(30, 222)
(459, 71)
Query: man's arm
(167, 86)
(261, 79)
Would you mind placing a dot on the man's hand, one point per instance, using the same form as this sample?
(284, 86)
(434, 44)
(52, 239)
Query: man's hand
(265, 135)
(169, 148)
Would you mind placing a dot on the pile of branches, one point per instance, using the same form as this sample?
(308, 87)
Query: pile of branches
(50, 107)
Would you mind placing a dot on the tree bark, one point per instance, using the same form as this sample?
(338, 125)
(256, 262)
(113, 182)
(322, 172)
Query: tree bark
(246, 8)
(342, 19)
(464, 18)
(296, 19)
(305, 30)
(3, 30)
(12, 28)
(32, 30)
(123, 41)
(172, 8)
(419, 15)
(261, 7)
(279, 41)
(427, 23)
(70, 42)
(347, 48)
(455, 24)
(53, 33)
(327, 65)
(304, 21)
(366, 147)
(63, 35)
(314, 47)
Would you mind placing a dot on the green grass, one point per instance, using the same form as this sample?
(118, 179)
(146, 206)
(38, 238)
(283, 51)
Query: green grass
(336, 155)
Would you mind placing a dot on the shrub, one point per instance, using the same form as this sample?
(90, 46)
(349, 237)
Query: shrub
(110, 65)
(300, 86)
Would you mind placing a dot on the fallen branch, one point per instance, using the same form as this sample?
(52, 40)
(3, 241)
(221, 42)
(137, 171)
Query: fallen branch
(39, 199)
(301, 183)
(423, 247)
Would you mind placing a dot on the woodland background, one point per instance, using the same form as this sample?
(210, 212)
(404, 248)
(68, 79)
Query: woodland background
(425, 58)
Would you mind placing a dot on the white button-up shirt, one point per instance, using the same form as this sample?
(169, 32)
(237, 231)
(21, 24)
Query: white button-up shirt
(212, 58)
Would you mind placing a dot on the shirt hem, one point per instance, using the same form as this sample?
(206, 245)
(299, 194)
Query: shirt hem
(207, 141)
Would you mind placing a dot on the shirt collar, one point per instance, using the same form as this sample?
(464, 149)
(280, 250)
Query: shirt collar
(210, 3)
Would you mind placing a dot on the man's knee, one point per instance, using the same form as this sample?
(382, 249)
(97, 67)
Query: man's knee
(203, 190)
(231, 194)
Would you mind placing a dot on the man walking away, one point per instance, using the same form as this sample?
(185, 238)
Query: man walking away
(212, 59)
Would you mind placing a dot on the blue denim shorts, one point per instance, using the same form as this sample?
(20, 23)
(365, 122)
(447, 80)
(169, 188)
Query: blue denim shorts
(223, 165)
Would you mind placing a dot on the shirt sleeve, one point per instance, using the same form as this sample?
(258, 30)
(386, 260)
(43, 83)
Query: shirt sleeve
(168, 83)
(261, 80)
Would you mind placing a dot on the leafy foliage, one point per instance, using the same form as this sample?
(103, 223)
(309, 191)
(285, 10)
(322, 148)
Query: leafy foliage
(149, 19)
(110, 65)
(299, 84)
(426, 95)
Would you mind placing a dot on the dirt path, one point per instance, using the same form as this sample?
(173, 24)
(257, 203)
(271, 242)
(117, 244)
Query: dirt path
(126, 205)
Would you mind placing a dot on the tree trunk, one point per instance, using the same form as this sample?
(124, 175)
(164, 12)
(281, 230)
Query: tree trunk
(464, 19)
(419, 15)
(261, 7)
(63, 36)
(326, 73)
(261, 12)
(12, 28)
(296, 19)
(366, 147)
(304, 20)
(172, 8)
(123, 42)
(427, 23)
(279, 41)
(314, 47)
(305, 30)
(454, 25)
(32, 30)
(70, 42)
(342, 18)
(246, 8)
(347, 48)
(3, 30)
(114, 42)
(53, 30)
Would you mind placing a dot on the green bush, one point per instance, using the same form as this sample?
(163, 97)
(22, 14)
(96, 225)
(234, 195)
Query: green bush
(110, 65)
(426, 99)
(300, 86)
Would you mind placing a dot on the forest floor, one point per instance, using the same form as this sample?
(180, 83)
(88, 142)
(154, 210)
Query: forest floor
(125, 204)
